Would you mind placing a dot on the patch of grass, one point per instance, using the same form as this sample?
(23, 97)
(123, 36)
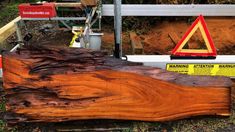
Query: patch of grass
(8, 13)
(2, 125)
(207, 124)
(2, 105)
(127, 130)
(2, 109)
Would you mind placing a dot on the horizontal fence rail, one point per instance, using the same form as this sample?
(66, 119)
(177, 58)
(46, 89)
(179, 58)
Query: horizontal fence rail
(171, 10)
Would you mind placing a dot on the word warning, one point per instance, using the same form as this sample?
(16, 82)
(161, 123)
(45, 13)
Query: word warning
(203, 69)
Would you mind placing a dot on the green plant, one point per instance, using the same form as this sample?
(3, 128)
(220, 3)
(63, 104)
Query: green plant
(2, 126)
(2, 105)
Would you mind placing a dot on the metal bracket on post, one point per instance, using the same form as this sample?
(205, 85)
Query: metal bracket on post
(100, 14)
(18, 31)
(118, 28)
(19, 35)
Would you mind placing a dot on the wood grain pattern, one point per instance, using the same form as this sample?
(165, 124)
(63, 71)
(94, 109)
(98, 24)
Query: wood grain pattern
(58, 84)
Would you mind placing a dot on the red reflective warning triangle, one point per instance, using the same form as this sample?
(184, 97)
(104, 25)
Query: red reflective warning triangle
(199, 23)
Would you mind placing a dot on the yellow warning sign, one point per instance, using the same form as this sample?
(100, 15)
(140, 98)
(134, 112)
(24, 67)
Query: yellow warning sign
(203, 69)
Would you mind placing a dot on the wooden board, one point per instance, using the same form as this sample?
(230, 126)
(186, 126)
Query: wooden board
(69, 5)
(7, 30)
(53, 84)
(174, 37)
(89, 2)
(137, 47)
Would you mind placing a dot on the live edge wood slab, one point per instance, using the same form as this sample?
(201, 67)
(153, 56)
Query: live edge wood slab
(54, 84)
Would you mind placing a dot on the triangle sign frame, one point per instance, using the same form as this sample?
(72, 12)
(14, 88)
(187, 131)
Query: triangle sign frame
(199, 23)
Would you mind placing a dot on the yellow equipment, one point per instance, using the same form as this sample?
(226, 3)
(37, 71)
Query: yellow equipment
(76, 40)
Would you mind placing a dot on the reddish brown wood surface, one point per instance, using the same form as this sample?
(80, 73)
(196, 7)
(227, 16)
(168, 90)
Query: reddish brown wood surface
(59, 84)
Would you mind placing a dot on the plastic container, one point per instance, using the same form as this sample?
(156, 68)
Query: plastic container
(95, 41)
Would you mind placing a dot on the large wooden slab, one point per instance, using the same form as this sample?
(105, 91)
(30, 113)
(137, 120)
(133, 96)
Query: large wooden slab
(59, 84)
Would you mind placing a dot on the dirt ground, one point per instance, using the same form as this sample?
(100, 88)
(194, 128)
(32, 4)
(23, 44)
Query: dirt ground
(163, 37)
(160, 40)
